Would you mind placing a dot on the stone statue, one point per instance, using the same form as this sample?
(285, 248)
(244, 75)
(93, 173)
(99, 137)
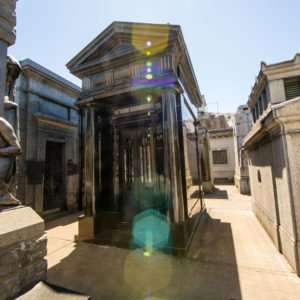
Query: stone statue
(9, 149)
(9, 144)
(13, 69)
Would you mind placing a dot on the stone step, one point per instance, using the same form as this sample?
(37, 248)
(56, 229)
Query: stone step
(46, 291)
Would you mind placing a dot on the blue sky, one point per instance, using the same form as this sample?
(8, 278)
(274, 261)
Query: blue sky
(226, 40)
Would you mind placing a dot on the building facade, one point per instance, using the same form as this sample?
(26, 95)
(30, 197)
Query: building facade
(242, 121)
(222, 155)
(137, 79)
(218, 155)
(273, 149)
(48, 177)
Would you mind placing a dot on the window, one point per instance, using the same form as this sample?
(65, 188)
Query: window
(265, 100)
(257, 110)
(219, 157)
(260, 105)
(292, 87)
(253, 115)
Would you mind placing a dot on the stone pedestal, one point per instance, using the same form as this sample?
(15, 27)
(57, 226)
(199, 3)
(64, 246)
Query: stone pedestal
(207, 186)
(22, 251)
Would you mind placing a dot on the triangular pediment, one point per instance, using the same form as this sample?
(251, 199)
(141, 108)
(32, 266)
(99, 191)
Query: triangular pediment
(124, 43)
(109, 51)
(121, 39)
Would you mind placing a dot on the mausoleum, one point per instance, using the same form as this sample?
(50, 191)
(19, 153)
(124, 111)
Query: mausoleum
(137, 81)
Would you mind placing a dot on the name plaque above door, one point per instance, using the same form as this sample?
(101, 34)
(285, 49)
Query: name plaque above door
(134, 109)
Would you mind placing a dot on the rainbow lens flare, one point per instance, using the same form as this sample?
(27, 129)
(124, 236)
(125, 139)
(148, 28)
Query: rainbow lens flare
(151, 230)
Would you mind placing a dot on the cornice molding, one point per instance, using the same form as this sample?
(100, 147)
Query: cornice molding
(42, 118)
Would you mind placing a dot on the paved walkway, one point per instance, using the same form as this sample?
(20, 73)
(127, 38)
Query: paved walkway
(231, 257)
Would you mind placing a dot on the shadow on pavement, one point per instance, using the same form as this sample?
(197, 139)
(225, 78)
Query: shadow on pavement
(209, 272)
(217, 194)
(213, 246)
(64, 221)
(195, 195)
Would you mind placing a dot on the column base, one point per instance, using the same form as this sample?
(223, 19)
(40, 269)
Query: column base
(90, 227)
(207, 186)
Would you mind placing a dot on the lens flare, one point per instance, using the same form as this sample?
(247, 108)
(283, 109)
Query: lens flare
(151, 230)
(149, 64)
(147, 273)
(145, 40)
(149, 98)
(149, 76)
(149, 70)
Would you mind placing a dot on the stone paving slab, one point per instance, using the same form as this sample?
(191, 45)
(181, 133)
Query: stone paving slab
(231, 257)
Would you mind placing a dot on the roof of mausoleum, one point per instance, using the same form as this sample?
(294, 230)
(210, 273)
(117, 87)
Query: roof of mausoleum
(124, 43)
(28, 64)
(274, 71)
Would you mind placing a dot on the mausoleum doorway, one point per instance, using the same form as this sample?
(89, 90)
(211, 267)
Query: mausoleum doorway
(54, 179)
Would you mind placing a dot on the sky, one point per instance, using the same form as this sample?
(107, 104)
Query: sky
(226, 40)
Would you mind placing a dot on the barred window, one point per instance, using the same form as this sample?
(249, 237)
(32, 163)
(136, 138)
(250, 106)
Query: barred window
(219, 157)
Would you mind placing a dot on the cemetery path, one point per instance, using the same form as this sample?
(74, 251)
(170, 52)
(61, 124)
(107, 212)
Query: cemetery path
(231, 257)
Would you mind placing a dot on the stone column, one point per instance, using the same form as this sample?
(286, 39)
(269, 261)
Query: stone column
(171, 157)
(91, 223)
(90, 150)
(7, 38)
(207, 184)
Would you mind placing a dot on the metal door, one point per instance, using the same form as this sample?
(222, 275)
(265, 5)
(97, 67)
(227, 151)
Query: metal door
(54, 179)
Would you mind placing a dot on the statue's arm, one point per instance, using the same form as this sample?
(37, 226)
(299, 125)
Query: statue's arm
(10, 138)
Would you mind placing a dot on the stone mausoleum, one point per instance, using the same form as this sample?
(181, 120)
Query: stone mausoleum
(273, 148)
(137, 80)
(48, 178)
(242, 126)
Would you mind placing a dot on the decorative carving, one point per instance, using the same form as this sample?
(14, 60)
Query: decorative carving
(109, 78)
(8, 21)
(135, 71)
(86, 84)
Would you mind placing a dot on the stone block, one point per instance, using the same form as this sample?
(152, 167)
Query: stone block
(19, 224)
(23, 246)
(43, 291)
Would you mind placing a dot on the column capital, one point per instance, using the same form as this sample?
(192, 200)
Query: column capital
(174, 88)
